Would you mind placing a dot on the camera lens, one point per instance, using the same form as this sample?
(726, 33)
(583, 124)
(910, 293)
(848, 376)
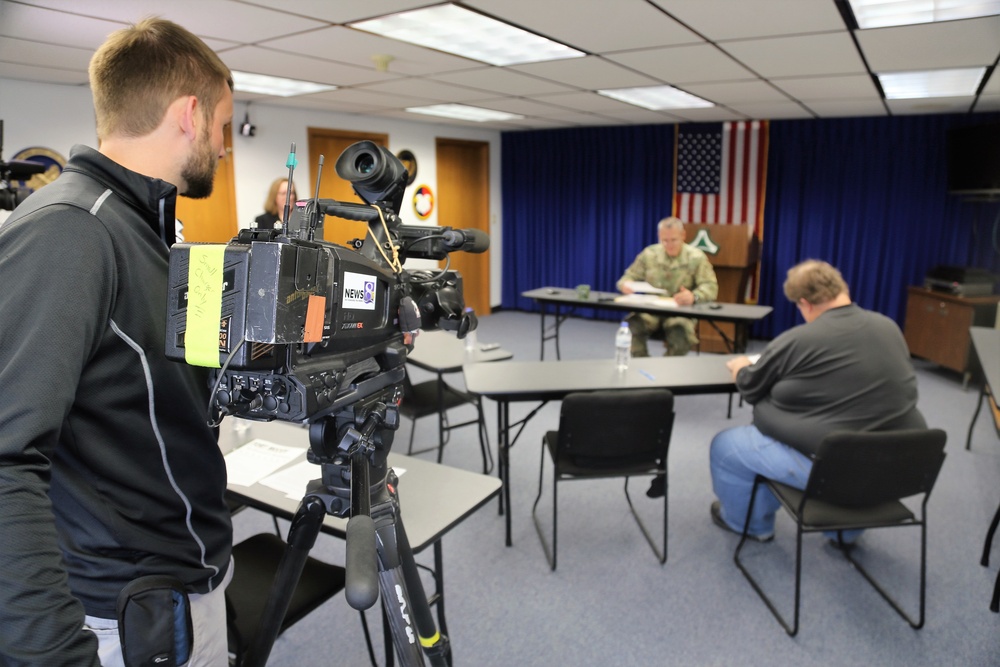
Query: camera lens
(364, 163)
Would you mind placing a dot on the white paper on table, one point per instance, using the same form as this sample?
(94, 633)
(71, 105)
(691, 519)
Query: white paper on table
(293, 480)
(257, 459)
(753, 358)
(642, 287)
(652, 299)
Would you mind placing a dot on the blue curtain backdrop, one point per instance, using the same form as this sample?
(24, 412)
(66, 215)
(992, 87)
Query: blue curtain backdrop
(869, 195)
(579, 204)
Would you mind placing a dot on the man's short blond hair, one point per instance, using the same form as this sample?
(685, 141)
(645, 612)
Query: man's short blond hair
(670, 223)
(815, 281)
(139, 71)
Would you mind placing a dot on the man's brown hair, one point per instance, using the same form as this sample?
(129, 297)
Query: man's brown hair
(815, 281)
(140, 70)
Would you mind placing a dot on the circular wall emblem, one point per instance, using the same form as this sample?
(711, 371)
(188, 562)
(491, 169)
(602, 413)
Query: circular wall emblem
(423, 202)
(53, 161)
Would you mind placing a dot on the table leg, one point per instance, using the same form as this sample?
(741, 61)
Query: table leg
(441, 415)
(979, 406)
(504, 457)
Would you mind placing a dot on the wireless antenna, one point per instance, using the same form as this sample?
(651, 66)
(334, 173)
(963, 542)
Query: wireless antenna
(315, 221)
(291, 164)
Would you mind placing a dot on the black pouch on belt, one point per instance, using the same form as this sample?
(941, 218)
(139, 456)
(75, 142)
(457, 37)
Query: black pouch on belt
(154, 622)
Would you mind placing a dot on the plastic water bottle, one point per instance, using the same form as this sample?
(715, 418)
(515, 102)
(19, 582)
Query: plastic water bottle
(623, 346)
(470, 340)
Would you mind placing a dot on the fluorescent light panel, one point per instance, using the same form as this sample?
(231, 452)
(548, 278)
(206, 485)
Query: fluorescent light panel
(657, 98)
(934, 83)
(466, 33)
(464, 112)
(883, 13)
(245, 82)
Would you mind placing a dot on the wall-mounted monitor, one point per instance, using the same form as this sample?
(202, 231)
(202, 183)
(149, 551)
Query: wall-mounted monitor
(974, 160)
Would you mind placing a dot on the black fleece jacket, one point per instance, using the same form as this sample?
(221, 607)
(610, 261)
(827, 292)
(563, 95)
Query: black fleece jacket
(108, 470)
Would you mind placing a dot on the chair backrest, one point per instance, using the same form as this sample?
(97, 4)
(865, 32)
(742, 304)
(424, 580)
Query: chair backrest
(629, 426)
(859, 469)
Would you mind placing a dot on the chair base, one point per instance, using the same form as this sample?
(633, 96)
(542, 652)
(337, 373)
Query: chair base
(793, 627)
(550, 552)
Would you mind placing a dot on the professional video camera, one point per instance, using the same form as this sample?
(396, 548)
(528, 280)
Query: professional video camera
(11, 196)
(301, 328)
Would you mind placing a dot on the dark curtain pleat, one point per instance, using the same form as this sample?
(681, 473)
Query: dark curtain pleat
(579, 204)
(868, 195)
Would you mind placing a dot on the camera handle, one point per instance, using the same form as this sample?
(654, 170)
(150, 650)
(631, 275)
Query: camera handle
(403, 598)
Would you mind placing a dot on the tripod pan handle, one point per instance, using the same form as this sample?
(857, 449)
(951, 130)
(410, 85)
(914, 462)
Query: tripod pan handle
(361, 576)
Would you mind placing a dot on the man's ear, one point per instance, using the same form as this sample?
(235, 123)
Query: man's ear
(188, 110)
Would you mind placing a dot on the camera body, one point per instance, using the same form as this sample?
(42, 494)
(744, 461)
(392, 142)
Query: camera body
(299, 329)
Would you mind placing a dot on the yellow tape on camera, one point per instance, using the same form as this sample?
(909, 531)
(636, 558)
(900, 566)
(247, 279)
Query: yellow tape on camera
(204, 305)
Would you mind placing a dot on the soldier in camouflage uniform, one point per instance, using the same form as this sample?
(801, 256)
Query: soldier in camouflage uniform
(685, 273)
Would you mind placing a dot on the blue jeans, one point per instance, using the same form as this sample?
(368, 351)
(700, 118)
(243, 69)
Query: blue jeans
(737, 456)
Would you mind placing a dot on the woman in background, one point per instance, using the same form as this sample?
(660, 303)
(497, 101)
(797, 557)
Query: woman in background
(274, 205)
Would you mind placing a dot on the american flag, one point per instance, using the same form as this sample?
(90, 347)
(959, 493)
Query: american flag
(720, 170)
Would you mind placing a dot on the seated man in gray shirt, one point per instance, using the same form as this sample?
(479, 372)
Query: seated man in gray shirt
(846, 368)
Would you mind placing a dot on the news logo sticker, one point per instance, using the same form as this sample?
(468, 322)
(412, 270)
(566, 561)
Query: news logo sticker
(359, 291)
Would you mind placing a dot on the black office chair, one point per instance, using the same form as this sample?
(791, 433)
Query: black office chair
(256, 561)
(616, 433)
(857, 482)
(432, 397)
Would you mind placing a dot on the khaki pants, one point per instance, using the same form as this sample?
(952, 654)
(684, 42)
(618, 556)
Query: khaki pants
(678, 333)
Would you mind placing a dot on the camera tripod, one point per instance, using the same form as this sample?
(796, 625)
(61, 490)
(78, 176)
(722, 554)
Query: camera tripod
(374, 529)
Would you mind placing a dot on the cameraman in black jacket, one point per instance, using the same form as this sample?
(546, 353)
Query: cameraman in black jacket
(108, 471)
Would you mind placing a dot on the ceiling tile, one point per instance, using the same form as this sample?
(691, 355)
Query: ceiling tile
(799, 55)
(772, 110)
(725, 93)
(933, 45)
(710, 115)
(502, 80)
(736, 19)
(53, 27)
(684, 64)
(589, 73)
(628, 25)
(45, 55)
(847, 108)
(935, 105)
(852, 86)
(46, 74)
(276, 63)
(357, 48)
(427, 88)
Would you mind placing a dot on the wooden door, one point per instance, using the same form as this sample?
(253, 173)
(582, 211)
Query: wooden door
(330, 144)
(463, 174)
(213, 219)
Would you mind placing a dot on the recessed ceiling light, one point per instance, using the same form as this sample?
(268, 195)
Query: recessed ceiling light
(657, 98)
(245, 82)
(464, 112)
(469, 34)
(883, 13)
(934, 83)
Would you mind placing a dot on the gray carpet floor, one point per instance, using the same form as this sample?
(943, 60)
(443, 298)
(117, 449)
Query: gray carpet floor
(611, 603)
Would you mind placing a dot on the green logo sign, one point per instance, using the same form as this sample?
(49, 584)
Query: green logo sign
(702, 241)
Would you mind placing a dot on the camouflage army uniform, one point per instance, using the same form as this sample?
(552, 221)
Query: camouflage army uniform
(690, 269)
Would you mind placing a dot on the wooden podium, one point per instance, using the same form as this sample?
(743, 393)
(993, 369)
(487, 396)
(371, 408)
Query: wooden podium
(734, 259)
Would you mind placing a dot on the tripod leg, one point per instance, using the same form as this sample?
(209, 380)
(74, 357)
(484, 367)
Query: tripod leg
(403, 595)
(301, 538)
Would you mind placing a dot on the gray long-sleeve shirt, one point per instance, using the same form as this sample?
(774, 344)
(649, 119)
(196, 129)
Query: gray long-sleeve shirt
(849, 369)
